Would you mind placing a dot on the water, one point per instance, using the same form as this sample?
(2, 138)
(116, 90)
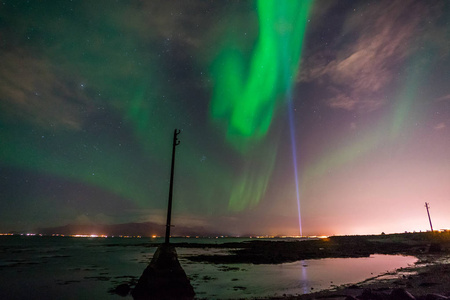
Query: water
(86, 268)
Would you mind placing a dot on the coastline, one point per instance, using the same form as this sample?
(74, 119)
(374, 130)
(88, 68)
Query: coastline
(248, 269)
(276, 252)
(430, 276)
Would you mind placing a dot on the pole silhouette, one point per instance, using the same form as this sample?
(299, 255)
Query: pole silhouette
(176, 142)
(428, 212)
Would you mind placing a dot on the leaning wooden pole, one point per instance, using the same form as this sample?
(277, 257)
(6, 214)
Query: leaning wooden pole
(428, 212)
(176, 142)
(164, 278)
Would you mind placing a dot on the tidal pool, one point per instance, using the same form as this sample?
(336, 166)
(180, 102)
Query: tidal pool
(233, 281)
(79, 268)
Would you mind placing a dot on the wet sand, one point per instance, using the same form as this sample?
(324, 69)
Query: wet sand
(421, 281)
(430, 275)
(428, 279)
(276, 252)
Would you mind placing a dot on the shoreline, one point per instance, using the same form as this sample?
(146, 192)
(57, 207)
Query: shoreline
(276, 252)
(430, 276)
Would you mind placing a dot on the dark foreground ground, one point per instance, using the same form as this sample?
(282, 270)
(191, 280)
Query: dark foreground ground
(426, 282)
(275, 252)
(429, 279)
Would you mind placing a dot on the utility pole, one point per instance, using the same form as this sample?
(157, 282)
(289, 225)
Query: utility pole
(176, 142)
(428, 212)
(164, 278)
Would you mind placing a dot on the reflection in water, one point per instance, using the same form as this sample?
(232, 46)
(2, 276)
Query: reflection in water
(304, 277)
(74, 268)
(247, 280)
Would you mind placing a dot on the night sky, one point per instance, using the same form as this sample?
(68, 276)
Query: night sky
(340, 106)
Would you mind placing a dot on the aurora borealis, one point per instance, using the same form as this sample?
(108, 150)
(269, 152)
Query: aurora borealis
(91, 91)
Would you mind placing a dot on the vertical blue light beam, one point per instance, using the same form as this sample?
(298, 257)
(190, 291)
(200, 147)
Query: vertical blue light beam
(295, 14)
(294, 157)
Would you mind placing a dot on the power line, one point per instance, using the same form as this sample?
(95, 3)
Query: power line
(428, 212)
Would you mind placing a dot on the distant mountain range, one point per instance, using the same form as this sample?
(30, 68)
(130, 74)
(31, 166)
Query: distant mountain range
(127, 229)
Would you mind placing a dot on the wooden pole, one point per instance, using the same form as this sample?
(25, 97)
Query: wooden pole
(176, 142)
(428, 212)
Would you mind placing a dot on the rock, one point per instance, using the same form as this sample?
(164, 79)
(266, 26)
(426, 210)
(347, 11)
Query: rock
(354, 287)
(369, 294)
(401, 294)
(435, 248)
(164, 278)
(427, 284)
(121, 290)
(435, 297)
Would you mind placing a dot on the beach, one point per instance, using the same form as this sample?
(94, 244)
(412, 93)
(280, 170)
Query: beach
(429, 278)
(228, 268)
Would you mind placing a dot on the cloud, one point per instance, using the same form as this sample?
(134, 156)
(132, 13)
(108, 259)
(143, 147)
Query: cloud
(185, 22)
(444, 98)
(365, 57)
(85, 219)
(157, 216)
(350, 101)
(440, 126)
(31, 90)
(342, 101)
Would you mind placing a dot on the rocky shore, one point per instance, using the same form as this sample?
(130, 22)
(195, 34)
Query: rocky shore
(429, 279)
(275, 252)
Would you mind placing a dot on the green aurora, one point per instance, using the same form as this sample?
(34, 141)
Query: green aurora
(129, 88)
(247, 94)
(89, 101)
